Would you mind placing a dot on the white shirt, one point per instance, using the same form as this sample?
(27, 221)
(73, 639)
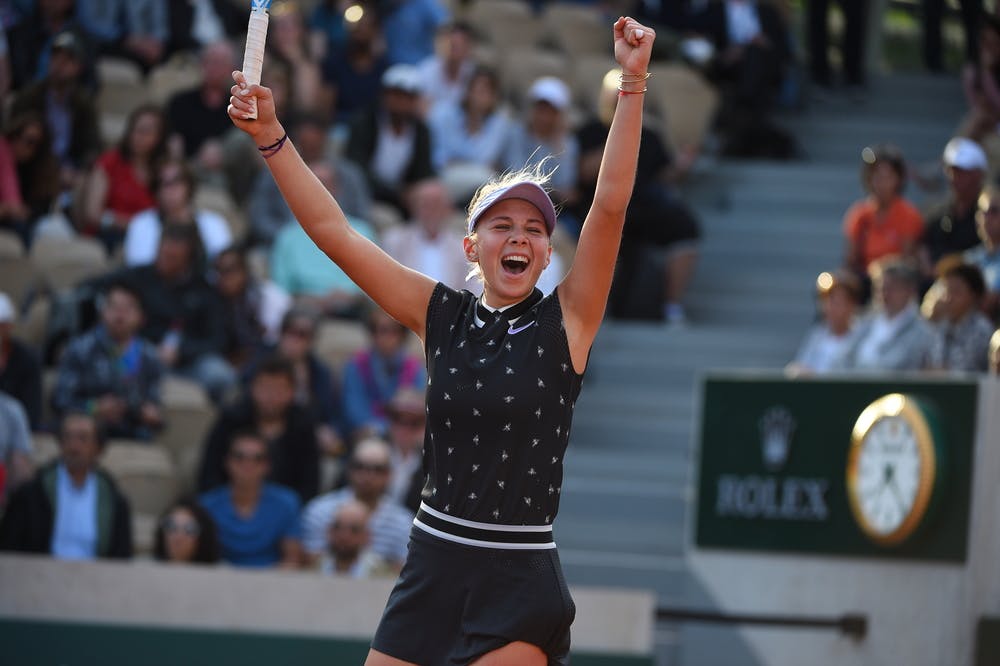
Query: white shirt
(389, 524)
(392, 153)
(440, 258)
(883, 329)
(142, 238)
(823, 350)
(74, 530)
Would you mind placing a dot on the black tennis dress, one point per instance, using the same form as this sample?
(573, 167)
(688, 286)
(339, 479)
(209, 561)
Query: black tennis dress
(482, 569)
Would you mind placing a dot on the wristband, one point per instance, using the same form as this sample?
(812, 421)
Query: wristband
(269, 151)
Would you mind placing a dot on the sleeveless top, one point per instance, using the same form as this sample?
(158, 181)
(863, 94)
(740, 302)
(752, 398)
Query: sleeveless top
(500, 401)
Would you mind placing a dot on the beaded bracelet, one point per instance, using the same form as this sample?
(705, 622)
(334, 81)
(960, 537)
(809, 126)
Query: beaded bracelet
(270, 151)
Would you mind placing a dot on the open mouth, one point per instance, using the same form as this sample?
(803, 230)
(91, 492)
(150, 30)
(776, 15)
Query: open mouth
(515, 263)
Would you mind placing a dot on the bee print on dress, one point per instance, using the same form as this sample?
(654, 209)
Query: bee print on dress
(496, 514)
(437, 352)
(540, 351)
(509, 370)
(506, 427)
(508, 399)
(475, 439)
(541, 384)
(504, 455)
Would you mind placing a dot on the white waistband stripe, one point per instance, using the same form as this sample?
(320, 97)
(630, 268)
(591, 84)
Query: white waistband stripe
(484, 526)
(484, 544)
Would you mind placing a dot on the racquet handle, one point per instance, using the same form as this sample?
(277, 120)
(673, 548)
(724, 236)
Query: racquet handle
(253, 56)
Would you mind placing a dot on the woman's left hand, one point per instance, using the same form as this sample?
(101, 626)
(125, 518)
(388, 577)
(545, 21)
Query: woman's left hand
(633, 45)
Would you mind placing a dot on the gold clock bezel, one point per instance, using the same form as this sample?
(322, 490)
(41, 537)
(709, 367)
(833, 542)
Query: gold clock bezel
(893, 405)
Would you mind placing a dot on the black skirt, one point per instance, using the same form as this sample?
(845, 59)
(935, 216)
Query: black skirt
(454, 603)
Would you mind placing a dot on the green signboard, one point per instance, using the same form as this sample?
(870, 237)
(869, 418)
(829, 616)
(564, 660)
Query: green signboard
(843, 467)
(41, 643)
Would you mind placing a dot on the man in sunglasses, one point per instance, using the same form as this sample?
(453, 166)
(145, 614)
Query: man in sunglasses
(349, 552)
(368, 480)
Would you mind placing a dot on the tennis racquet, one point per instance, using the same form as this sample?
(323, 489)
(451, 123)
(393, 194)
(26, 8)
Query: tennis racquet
(253, 56)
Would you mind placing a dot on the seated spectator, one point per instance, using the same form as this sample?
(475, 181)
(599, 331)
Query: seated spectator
(16, 466)
(305, 272)
(29, 174)
(368, 476)
(186, 534)
(894, 337)
(347, 551)
(828, 341)
(376, 373)
(288, 44)
(68, 107)
(199, 23)
(407, 421)
(409, 27)
(131, 29)
(315, 386)
(353, 69)
(118, 186)
(470, 136)
(289, 429)
(31, 39)
(884, 223)
(751, 53)
(20, 367)
(950, 226)
(545, 136)
(986, 255)
(198, 116)
(391, 142)
(656, 216)
(962, 338)
(268, 211)
(431, 242)
(174, 187)
(72, 509)
(253, 308)
(445, 75)
(258, 521)
(183, 312)
(981, 82)
(111, 371)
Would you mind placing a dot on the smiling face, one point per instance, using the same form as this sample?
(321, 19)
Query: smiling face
(512, 247)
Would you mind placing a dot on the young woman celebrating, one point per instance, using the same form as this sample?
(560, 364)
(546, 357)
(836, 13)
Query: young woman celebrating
(482, 582)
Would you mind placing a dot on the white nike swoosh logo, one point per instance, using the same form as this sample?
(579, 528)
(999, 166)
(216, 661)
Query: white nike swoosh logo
(513, 330)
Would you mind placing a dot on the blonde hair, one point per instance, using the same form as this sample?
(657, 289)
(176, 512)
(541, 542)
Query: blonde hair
(537, 174)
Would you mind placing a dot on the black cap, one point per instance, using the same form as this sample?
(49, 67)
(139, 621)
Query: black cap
(68, 41)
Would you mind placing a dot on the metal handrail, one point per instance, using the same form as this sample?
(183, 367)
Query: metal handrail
(853, 625)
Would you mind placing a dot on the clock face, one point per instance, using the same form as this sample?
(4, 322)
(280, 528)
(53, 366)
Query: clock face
(891, 469)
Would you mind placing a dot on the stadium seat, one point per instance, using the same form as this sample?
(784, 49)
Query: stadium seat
(218, 201)
(483, 13)
(64, 262)
(686, 101)
(337, 340)
(577, 30)
(188, 416)
(520, 67)
(180, 72)
(122, 90)
(587, 75)
(145, 474)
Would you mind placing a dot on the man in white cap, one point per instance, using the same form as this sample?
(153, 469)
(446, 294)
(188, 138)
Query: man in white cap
(393, 144)
(546, 134)
(951, 225)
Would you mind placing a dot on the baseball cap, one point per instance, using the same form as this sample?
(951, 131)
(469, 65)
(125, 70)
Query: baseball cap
(526, 190)
(6, 309)
(403, 77)
(551, 90)
(965, 153)
(67, 41)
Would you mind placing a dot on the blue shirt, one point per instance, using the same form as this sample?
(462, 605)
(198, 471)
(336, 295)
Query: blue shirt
(453, 142)
(989, 264)
(299, 267)
(409, 30)
(254, 541)
(74, 531)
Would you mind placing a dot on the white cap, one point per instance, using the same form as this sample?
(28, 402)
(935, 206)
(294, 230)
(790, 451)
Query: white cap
(552, 90)
(6, 309)
(965, 154)
(531, 192)
(403, 77)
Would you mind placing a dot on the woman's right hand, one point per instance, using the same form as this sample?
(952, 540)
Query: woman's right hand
(266, 123)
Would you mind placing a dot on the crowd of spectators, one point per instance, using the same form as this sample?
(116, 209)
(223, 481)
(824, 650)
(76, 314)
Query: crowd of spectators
(918, 291)
(401, 112)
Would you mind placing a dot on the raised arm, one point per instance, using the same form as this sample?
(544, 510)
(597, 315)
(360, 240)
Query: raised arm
(584, 291)
(400, 291)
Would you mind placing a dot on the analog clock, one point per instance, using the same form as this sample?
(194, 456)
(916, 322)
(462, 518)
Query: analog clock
(893, 468)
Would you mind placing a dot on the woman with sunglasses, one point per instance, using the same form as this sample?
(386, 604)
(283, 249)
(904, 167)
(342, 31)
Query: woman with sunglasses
(482, 583)
(186, 533)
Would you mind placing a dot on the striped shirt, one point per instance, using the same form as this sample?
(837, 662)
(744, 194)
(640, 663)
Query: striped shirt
(389, 527)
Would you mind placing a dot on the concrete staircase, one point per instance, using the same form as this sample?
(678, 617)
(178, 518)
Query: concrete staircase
(769, 229)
